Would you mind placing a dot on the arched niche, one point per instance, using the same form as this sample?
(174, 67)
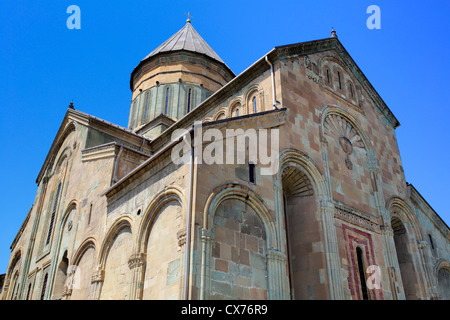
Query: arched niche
(80, 272)
(114, 255)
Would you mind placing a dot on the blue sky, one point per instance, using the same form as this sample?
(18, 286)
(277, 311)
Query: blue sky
(44, 65)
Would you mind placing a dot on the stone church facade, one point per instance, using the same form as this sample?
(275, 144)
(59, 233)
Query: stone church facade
(115, 218)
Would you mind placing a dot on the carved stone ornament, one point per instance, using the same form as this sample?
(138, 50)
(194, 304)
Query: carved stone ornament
(181, 236)
(343, 131)
(98, 276)
(311, 70)
(136, 260)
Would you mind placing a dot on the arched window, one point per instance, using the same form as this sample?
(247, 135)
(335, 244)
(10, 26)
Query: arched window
(328, 76)
(44, 286)
(431, 241)
(255, 109)
(362, 276)
(166, 107)
(235, 110)
(339, 79)
(189, 100)
(52, 218)
(29, 291)
(251, 172)
(350, 86)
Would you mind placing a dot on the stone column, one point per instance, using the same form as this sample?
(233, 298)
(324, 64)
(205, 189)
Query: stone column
(280, 255)
(136, 264)
(332, 257)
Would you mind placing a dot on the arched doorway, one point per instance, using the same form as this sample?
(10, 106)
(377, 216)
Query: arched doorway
(405, 261)
(303, 230)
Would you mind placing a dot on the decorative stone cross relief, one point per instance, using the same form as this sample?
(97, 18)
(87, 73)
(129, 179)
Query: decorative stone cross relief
(343, 131)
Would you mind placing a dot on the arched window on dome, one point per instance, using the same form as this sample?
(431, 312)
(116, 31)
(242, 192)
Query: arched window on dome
(189, 100)
(147, 104)
(166, 106)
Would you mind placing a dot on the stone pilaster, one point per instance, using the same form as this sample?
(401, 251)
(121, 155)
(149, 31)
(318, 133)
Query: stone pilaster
(136, 264)
(97, 279)
(206, 240)
(331, 251)
(278, 282)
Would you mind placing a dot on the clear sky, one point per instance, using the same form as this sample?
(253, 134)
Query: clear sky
(44, 65)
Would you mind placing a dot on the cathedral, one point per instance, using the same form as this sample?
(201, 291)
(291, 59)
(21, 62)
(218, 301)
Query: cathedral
(115, 217)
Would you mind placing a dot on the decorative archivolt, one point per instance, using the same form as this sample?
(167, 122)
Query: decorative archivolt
(295, 159)
(296, 183)
(120, 224)
(399, 209)
(441, 264)
(88, 243)
(242, 193)
(169, 194)
(60, 141)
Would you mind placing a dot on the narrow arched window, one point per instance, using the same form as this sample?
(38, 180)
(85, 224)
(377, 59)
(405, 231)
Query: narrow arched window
(339, 79)
(189, 100)
(52, 218)
(431, 241)
(362, 276)
(328, 76)
(166, 108)
(29, 291)
(44, 286)
(351, 90)
(237, 112)
(90, 213)
(251, 172)
(255, 109)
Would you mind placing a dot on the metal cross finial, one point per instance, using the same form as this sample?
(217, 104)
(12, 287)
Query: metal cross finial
(189, 17)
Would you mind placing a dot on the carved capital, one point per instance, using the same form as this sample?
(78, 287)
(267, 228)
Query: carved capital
(181, 236)
(136, 260)
(67, 291)
(98, 276)
(386, 230)
(276, 255)
(421, 244)
(205, 235)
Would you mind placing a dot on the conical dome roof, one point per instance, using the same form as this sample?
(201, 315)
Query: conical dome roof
(186, 39)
